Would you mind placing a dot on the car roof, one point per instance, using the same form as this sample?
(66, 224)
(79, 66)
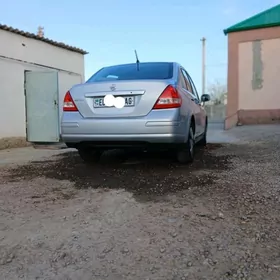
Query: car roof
(150, 62)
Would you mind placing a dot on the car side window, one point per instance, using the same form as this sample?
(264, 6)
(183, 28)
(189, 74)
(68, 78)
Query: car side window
(194, 88)
(189, 87)
(182, 81)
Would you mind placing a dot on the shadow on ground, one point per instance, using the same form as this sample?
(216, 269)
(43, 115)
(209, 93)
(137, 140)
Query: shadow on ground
(146, 175)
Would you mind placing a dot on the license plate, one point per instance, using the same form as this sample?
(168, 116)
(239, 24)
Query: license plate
(99, 102)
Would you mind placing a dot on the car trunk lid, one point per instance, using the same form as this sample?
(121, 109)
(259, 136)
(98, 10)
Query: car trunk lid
(140, 97)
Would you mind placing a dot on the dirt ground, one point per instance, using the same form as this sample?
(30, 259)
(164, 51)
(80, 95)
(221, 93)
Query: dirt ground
(147, 217)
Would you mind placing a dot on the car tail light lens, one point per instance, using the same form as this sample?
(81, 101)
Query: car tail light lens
(170, 98)
(68, 103)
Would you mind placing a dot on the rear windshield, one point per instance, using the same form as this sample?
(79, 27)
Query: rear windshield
(147, 71)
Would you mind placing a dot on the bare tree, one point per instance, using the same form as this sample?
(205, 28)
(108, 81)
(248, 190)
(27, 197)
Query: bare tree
(217, 92)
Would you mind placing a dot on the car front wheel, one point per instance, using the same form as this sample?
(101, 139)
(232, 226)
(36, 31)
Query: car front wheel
(186, 154)
(203, 141)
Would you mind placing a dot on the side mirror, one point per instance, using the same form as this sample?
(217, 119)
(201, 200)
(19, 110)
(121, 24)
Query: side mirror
(205, 97)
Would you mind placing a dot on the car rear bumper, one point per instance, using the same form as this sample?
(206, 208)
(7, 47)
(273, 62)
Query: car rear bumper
(110, 138)
(160, 126)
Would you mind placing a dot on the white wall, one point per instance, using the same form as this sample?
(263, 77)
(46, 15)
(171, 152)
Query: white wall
(39, 52)
(12, 99)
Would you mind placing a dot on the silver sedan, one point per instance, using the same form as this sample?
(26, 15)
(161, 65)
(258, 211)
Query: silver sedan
(151, 105)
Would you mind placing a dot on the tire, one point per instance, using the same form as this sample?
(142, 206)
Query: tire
(203, 141)
(186, 154)
(89, 155)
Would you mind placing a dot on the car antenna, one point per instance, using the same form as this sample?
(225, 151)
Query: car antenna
(137, 60)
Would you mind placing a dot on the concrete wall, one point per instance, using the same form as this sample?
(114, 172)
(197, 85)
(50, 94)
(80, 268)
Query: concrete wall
(259, 75)
(253, 77)
(35, 51)
(216, 113)
(18, 54)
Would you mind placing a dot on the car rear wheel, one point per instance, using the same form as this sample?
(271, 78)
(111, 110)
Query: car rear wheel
(89, 155)
(186, 154)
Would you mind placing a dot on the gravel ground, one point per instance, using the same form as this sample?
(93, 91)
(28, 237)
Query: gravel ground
(145, 218)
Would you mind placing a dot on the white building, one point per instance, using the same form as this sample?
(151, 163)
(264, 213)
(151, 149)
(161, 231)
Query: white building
(35, 74)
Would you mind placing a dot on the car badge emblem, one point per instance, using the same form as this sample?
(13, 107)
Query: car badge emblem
(113, 87)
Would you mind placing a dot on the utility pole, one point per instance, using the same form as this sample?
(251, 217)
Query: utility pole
(203, 64)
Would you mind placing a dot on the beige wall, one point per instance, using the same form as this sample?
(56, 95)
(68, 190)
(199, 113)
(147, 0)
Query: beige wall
(14, 60)
(241, 107)
(268, 96)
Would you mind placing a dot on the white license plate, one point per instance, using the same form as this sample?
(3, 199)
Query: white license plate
(99, 102)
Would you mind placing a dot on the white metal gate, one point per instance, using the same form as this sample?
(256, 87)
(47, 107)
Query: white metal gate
(42, 111)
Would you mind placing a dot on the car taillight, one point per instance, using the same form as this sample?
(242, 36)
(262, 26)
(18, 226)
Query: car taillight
(68, 103)
(170, 98)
